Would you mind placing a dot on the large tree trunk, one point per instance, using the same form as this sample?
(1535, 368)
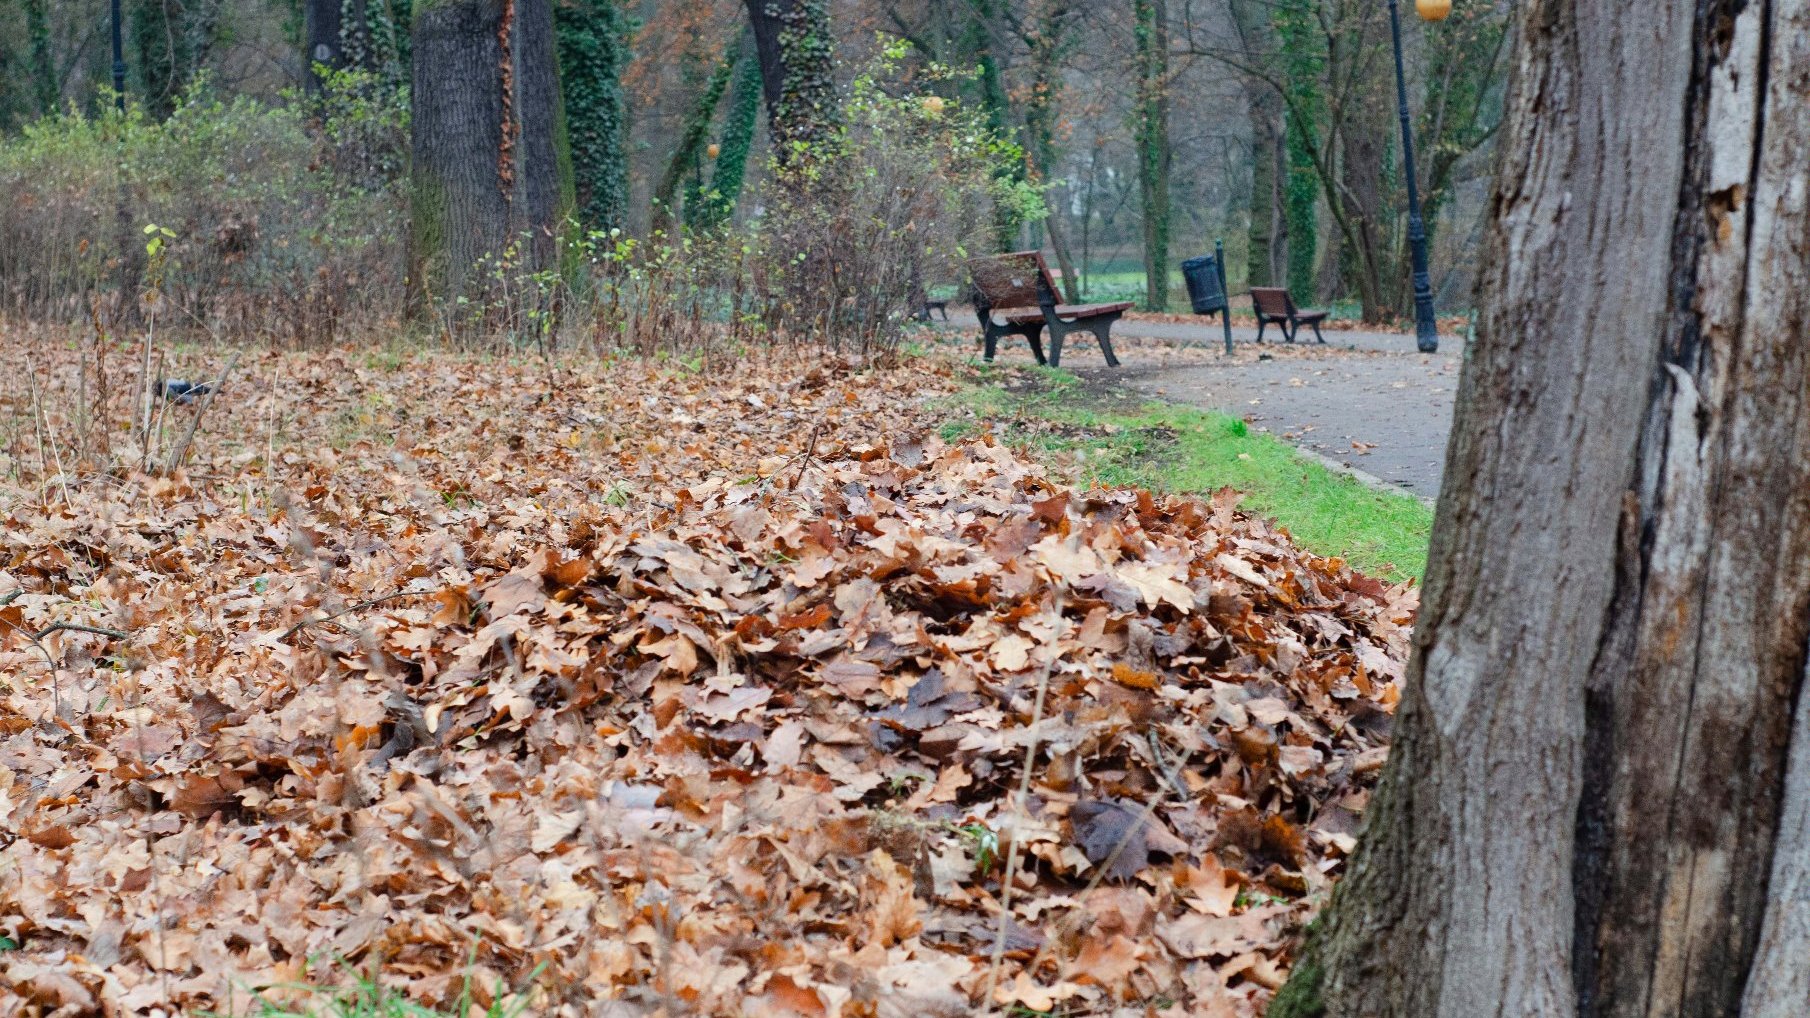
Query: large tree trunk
(1267, 172)
(797, 69)
(47, 86)
(1153, 145)
(1598, 802)
(1257, 39)
(339, 34)
(164, 44)
(544, 199)
(591, 42)
(486, 153)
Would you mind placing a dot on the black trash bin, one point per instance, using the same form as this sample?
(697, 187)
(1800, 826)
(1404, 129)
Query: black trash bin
(1206, 285)
(1206, 279)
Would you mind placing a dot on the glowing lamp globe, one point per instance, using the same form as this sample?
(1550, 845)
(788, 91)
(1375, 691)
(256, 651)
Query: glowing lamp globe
(1433, 10)
(714, 150)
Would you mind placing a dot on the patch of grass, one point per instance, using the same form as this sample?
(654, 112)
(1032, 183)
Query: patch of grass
(365, 998)
(1181, 449)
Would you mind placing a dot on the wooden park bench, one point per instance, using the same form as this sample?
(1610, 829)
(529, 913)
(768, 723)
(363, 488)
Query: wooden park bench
(1273, 304)
(1015, 295)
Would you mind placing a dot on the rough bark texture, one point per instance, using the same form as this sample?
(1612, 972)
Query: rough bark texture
(1582, 812)
(543, 179)
(460, 204)
(487, 151)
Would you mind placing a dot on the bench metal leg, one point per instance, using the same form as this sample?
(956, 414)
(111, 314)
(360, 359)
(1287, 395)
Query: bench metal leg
(992, 334)
(1036, 338)
(1262, 323)
(1103, 332)
(1317, 337)
(1288, 331)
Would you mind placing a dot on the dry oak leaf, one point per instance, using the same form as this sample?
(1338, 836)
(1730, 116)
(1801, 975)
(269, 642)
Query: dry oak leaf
(1025, 991)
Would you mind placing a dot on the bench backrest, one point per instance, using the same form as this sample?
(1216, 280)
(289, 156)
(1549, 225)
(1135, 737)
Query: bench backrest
(1272, 302)
(1020, 279)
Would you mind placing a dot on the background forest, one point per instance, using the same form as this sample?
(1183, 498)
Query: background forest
(272, 138)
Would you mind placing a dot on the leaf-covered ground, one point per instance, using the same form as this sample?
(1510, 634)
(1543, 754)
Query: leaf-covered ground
(663, 689)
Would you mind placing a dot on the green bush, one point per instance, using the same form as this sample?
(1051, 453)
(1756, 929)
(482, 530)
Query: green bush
(906, 189)
(288, 218)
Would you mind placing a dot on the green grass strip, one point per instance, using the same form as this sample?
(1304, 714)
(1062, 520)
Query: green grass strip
(1169, 448)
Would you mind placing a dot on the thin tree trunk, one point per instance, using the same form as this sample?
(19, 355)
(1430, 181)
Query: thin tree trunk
(1368, 237)
(1048, 44)
(1153, 146)
(731, 167)
(1597, 802)
(688, 154)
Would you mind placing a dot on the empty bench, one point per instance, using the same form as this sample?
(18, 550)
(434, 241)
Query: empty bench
(1273, 304)
(1015, 295)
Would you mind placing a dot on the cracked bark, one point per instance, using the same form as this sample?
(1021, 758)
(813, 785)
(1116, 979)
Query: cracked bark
(1599, 798)
(485, 167)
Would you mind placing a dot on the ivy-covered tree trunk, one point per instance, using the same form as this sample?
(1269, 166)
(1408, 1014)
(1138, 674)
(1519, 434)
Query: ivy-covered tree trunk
(1302, 61)
(593, 49)
(687, 157)
(46, 88)
(364, 34)
(797, 69)
(1152, 30)
(1597, 803)
(731, 169)
(164, 44)
(986, 90)
(486, 166)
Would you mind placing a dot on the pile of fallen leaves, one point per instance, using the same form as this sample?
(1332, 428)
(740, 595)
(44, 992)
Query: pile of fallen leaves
(657, 690)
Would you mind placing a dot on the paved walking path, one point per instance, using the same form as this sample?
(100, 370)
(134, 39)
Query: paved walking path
(1369, 401)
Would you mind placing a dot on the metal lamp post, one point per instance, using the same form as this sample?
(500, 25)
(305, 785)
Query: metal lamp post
(1426, 330)
(119, 63)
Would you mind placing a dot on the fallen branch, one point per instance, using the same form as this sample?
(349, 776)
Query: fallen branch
(180, 453)
(349, 609)
(77, 627)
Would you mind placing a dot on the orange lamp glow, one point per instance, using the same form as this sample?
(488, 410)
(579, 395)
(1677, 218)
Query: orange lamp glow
(1433, 10)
